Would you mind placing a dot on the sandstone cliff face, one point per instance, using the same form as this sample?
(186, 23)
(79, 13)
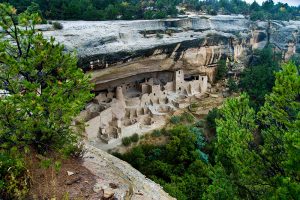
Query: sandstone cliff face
(112, 50)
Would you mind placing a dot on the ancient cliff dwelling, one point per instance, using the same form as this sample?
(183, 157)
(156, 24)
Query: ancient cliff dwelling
(141, 106)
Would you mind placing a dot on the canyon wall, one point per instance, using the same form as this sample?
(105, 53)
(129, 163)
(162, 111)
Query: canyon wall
(115, 50)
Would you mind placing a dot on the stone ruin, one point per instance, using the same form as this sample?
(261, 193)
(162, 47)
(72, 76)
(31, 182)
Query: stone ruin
(139, 106)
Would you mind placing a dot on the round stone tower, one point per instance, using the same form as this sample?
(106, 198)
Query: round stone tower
(119, 94)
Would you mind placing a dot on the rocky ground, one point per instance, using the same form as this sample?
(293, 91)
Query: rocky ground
(117, 177)
(70, 180)
(97, 176)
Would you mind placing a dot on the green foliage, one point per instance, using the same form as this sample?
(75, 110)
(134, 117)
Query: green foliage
(188, 117)
(66, 196)
(141, 9)
(193, 107)
(199, 124)
(211, 118)
(100, 9)
(184, 117)
(260, 162)
(221, 186)
(221, 70)
(268, 10)
(156, 133)
(35, 8)
(200, 143)
(258, 79)
(126, 141)
(165, 132)
(296, 60)
(46, 88)
(258, 15)
(75, 151)
(175, 119)
(46, 163)
(235, 131)
(44, 91)
(134, 138)
(14, 180)
(57, 166)
(232, 85)
(177, 165)
(280, 116)
(57, 25)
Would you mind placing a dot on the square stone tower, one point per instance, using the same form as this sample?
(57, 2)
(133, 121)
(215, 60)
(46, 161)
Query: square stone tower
(179, 81)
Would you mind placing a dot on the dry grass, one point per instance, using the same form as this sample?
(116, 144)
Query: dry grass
(53, 182)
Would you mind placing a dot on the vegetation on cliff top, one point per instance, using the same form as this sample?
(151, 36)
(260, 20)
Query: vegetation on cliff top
(157, 9)
(42, 90)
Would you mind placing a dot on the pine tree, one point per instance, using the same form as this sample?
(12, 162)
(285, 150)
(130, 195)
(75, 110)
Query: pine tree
(280, 119)
(46, 89)
(260, 153)
(221, 187)
(235, 147)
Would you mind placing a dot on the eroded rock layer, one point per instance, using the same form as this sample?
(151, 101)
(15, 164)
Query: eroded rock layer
(111, 50)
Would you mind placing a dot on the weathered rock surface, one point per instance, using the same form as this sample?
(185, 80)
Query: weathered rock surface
(113, 50)
(117, 178)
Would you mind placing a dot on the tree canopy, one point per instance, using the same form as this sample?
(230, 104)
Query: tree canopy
(260, 151)
(101, 9)
(142, 9)
(42, 91)
(258, 78)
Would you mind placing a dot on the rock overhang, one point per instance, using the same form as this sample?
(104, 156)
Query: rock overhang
(90, 39)
(120, 49)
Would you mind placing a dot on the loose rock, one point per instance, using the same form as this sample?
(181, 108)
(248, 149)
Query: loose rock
(214, 95)
(70, 173)
(74, 180)
(108, 193)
